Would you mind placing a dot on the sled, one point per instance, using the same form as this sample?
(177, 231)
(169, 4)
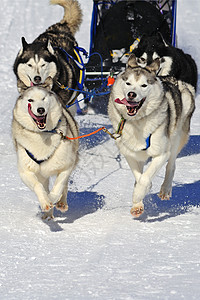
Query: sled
(116, 29)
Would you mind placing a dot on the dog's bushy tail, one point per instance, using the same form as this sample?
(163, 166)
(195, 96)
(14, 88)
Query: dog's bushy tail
(72, 15)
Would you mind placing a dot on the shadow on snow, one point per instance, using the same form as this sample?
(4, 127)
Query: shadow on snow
(80, 204)
(192, 147)
(184, 197)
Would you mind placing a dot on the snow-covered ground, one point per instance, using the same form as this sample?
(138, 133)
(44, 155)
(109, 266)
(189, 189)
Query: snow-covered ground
(96, 250)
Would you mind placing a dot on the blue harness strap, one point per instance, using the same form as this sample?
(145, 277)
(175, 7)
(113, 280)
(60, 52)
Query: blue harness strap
(33, 157)
(148, 140)
(79, 63)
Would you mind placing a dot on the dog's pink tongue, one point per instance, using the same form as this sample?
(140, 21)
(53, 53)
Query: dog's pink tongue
(125, 102)
(32, 83)
(37, 118)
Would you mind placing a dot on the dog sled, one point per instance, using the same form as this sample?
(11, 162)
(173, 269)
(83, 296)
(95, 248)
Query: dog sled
(116, 29)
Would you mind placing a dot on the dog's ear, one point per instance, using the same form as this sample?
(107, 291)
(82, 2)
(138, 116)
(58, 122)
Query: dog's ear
(24, 43)
(21, 86)
(132, 62)
(48, 84)
(49, 47)
(154, 66)
(24, 46)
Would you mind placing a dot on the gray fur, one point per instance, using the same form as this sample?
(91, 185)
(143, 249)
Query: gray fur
(45, 56)
(164, 116)
(41, 152)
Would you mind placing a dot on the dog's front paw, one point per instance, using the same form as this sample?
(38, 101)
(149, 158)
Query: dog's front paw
(48, 215)
(137, 209)
(46, 207)
(62, 206)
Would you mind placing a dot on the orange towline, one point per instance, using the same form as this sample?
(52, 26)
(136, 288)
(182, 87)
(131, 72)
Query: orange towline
(85, 135)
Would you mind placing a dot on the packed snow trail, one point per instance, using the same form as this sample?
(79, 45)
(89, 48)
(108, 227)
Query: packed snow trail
(96, 250)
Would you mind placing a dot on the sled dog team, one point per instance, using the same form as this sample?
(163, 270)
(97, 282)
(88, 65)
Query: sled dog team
(153, 98)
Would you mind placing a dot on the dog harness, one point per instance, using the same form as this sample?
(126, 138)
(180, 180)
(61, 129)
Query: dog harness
(33, 157)
(79, 63)
(119, 130)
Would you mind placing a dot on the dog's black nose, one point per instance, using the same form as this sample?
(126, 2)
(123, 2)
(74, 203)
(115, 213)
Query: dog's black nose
(40, 110)
(132, 95)
(37, 79)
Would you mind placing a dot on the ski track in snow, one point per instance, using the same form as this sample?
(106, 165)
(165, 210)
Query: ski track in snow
(96, 250)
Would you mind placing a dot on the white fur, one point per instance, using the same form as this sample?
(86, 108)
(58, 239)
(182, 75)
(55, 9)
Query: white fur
(165, 66)
(36, 67)
(152, 118)
(142, 61)
(60, 156)
(165, 63)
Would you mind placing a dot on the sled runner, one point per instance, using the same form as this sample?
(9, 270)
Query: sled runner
(116, 29)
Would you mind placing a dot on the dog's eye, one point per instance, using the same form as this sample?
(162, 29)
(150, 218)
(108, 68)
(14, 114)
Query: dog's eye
(142, 59)
(128, 83)
(29, 65)
(144, 85)
(30, 100)
(42, 65)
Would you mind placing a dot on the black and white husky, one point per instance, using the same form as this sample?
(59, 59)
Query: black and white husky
(38, 118)
(51, 54)
(173, 61)
(156, 117)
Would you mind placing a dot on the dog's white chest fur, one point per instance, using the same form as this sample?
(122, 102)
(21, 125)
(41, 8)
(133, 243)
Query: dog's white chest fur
(151, 106)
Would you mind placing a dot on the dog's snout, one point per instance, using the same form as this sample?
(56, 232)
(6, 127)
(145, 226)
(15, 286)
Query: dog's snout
(37, 79)
(40, 110)
(132, 95)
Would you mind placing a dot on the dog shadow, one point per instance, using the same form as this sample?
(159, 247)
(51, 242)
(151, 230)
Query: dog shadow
(192, 147)
(80, 204)
(184, 198)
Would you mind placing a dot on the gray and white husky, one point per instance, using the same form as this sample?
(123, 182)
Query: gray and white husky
(38, 117)
(156, 117)
(49, 54)
(173, 61)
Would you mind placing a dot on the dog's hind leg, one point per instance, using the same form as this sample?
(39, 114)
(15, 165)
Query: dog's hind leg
(177, 144)
(166, 188)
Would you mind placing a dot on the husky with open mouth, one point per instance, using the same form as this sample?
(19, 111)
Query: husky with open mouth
(154, 116)
(38, 118)
(54, 53)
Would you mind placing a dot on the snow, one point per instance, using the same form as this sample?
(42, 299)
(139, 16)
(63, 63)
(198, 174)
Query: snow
(96, 250)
